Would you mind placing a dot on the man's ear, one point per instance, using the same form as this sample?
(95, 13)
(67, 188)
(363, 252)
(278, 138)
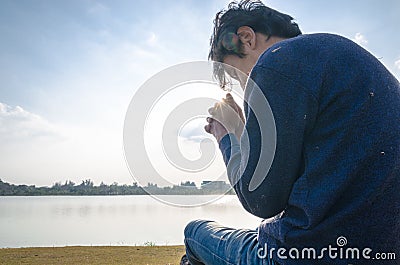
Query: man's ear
(247, 36)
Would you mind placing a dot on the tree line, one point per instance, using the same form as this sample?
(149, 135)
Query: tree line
(87, 187)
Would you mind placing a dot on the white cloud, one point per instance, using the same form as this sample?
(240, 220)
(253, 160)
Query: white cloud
(19, 124)
(37, 151)
(194, 130)
(397, 64)
(360, 39)
(97, 8)
(152, 40)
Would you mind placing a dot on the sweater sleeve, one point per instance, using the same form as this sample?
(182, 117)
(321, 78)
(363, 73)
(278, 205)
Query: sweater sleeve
(270, 153)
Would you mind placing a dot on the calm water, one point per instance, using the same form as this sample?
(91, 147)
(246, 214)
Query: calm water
(107, 220)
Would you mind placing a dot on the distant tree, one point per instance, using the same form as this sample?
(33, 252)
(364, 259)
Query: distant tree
(69, 183)
(87, 187)
(188, 184)
(56, 185)
(151, 185)
(87, 183)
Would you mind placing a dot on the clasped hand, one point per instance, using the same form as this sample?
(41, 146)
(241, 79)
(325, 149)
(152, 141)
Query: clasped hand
(226, 117)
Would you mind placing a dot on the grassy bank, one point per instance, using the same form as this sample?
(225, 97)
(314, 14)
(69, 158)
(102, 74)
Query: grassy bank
(152, 255)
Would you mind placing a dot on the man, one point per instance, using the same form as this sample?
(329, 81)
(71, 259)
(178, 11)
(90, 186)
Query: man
(334, 184)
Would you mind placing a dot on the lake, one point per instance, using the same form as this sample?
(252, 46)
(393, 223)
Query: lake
(109, 220)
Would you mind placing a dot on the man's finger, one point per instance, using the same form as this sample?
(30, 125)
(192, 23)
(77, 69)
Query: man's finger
(229, 100)
(207, 128)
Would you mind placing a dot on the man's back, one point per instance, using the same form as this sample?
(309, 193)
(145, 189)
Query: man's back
(348, 181)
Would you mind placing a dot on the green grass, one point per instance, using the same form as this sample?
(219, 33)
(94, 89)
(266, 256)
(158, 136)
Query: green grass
(143, 255)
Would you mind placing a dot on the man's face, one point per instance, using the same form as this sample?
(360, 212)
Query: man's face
(241, 68)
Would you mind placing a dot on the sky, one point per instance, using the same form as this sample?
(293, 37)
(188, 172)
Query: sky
(69, 70)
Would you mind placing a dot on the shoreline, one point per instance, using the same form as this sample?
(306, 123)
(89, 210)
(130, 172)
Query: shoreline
(138, 255)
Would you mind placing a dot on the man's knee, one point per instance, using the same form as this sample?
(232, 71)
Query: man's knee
(193, 226)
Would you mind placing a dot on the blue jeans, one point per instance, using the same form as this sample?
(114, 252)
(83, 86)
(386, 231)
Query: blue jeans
(208, 243)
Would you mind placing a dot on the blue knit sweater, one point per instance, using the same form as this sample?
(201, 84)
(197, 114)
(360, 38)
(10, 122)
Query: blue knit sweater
(336, 170)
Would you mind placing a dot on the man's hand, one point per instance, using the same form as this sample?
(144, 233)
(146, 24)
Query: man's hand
(226, 117)
(215, 128)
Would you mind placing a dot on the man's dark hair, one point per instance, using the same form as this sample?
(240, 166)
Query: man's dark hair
(254, 14)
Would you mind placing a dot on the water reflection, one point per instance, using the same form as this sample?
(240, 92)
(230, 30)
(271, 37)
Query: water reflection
(107, 220)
